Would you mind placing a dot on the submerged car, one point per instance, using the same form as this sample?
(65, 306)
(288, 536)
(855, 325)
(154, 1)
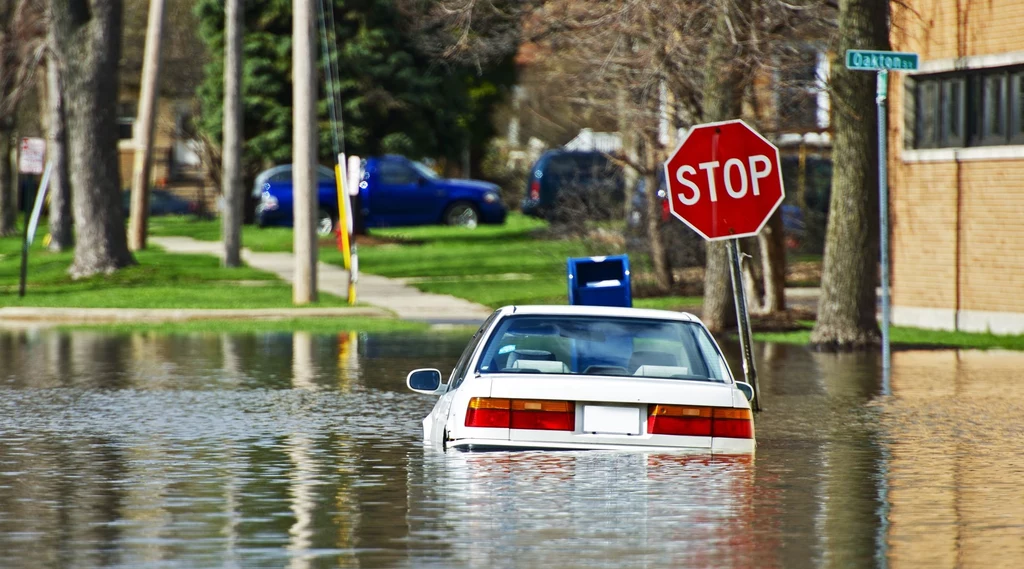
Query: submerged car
(589, 377)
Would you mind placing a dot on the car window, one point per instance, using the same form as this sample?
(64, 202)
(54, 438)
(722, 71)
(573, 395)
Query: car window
(459, 373)
(282, 176)
(393, 173)
(324, 174)
(425, 171)
(639, 347)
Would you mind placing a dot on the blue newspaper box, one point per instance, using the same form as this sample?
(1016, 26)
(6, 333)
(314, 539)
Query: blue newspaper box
(600, 281)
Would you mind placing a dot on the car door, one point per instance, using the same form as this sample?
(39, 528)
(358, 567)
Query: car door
(398, 196)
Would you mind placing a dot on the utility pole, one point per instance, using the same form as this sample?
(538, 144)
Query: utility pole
(304, 151)
(139, 211)
(231, 164)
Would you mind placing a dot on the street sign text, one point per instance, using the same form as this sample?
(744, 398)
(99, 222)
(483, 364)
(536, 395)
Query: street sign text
(868, 60)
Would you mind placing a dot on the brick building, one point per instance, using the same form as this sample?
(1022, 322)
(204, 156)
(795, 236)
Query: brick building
(957, 166)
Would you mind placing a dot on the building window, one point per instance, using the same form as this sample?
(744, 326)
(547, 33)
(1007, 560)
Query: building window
(800, 85)
(969, 108)
(126, 121)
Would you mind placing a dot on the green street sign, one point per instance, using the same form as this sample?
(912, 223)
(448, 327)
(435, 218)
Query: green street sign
(867, 60)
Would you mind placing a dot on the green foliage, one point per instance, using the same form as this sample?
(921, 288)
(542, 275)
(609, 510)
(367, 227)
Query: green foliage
(394, 98)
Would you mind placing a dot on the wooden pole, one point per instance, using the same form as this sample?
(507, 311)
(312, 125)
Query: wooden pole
(139, 211)
(231, 164)
(304, 152)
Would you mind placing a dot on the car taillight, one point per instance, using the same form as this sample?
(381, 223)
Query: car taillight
(487, 412)
(535, 190)
(521, 414)
(665, 213)
(700, 421)
(732, 423)
(543, 415)
(679, 420)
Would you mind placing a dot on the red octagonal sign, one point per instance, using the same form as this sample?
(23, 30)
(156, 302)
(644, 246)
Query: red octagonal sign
(724, 180)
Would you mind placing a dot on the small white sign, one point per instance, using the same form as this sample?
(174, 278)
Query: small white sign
(30, 156)
(611, 420)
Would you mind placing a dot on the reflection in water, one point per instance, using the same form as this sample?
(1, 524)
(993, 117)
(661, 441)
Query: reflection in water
(955, 435)
(303, 450)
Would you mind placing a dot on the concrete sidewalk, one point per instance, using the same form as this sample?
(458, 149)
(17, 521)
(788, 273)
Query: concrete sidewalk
(402, 300)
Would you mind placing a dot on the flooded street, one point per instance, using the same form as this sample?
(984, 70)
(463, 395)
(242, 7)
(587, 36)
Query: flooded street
(304, 450)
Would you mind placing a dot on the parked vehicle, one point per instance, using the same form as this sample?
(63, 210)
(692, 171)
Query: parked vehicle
(589, 377)
(565, 183)
(393, 191)
(275, 203)
(161, 202)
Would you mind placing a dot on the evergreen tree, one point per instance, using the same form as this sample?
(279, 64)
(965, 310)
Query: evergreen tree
(394, 98)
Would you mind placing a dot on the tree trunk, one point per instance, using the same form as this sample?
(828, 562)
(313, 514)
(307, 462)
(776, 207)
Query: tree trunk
(846, 310)
(8, 69)
(231, 180)
(722, 79)
(659, 253)
(8, 185)
(61, 236)
(87, 36)
(772, 240)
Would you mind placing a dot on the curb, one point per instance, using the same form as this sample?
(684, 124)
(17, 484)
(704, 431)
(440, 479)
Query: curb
(22, 316)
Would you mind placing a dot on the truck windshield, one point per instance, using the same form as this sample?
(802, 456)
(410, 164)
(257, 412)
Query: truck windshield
(424, 170)
(665, 349)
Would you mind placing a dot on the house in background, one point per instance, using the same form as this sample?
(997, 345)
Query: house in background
(957, 166)
(177, 152)
(176, 148)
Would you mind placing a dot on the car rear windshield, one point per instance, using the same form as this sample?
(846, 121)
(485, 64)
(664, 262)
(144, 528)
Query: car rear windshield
(585, 345)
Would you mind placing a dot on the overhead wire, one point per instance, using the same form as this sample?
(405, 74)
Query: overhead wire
(338, 146)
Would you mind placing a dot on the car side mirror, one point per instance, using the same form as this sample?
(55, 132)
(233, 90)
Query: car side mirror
(422, 181)
(747, 389)
(424, 381)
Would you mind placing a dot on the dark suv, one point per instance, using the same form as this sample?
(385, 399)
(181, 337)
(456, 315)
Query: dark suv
(564, 183)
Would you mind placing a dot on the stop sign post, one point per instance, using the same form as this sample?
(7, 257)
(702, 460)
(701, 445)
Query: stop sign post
(725, 181)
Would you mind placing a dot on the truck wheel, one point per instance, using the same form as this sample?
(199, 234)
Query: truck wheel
(462, 214)
(325, 223)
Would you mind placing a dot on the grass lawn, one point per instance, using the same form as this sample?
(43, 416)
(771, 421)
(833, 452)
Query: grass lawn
(494, 265)
(160, 280)
(911, 337)
(513, 263)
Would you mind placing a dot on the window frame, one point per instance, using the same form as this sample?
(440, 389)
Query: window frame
(989, 110)
(413, 178)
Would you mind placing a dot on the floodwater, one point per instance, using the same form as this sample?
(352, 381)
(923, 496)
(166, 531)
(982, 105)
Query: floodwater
(299, 451)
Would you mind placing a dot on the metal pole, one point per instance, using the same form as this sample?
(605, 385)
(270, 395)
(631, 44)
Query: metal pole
(883, 224)
(31, 222)
(743, 321)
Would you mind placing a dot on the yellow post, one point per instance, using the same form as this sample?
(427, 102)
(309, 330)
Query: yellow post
(345, 246)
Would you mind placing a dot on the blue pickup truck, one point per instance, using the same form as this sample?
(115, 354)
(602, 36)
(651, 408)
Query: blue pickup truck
(393, 191)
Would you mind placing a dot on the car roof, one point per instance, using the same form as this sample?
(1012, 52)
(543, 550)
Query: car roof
(598, 311)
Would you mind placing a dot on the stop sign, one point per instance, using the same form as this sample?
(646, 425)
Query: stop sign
(724, 180)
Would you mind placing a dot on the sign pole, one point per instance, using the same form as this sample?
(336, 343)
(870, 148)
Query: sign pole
(883, 223)
(31, 222)
(743, 321)
(882, 62)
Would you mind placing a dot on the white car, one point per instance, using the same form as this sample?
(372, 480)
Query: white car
(589, 377)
